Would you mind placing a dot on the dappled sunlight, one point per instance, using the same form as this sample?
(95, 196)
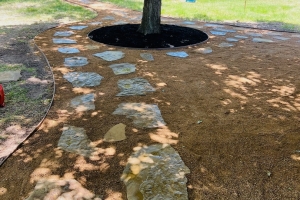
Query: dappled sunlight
(83, 90)
(112, 195)
(280, 103)
(218, 68)
(82, 165)
(165, 136)
(3, 190)
(236, 95)
(284, 90)
(295, 157)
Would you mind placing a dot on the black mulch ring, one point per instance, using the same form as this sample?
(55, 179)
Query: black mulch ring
(126, 35)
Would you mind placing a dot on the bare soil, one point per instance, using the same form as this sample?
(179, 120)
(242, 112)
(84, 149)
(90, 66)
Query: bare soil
(232, 115)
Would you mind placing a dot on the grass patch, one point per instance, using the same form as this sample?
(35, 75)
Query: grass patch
(286, 12)
(15, 93)
(34, 11)
(10, 67)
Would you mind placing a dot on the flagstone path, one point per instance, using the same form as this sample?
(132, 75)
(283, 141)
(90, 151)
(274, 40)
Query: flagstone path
(152, 172)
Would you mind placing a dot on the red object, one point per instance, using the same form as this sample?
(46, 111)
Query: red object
(1, 96)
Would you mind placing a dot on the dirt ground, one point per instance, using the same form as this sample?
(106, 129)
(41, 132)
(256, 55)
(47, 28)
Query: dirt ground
(232, 115)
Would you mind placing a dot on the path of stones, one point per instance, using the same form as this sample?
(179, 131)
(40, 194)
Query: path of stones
(153, 172)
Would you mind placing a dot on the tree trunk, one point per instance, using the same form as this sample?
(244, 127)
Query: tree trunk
(151, 17)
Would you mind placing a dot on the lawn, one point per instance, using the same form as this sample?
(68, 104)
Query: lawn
(286, 12)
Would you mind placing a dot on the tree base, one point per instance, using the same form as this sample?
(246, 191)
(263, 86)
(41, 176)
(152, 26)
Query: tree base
(127, 36)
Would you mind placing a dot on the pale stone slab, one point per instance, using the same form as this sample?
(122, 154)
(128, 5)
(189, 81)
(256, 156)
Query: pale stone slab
(219, 33)
(108, 18)
(83, 102)
(7, 76)
(83, 79)
(147, 56)
(274, 33)
(226, 44)
(180, 54)
(134, 86)
(63, 41)
(120, 23)
(68, 50)
(64, 33)
(188, 22)
(91, 47)
(75, 61)
(261, 40)
(155, 172)
(95, 23)
(60, 189)
(195, 26)
(123, 68)
(225, 30)
(205, 50)
(110, 55)
(78, 27)
(213, 25)
(253, 34)
(232, 39)
(75, 140)
(296, 35)
(116, 133)
(143, 115)
(281, 38)
(241, 36)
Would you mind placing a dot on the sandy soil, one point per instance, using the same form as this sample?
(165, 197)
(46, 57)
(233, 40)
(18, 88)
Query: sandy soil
(247, 97)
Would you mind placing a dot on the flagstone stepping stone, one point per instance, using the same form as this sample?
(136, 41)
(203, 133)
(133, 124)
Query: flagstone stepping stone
(8, 76)
(226, 44)
(241, 36)
(95, 23)
(75, 61)
(110, 55)
(155, 172)
(84, 102)
(225, 30)
(180, 54)
(134, 86)
(83, 79)
(68, 50)
(205, 50)
(120, 22)
(232, 39)
(261, 40)
(75, 140)
(143, 115)
(195, 26)
(274, 34)
(91, 47)
(60, 189)
(281, 38)
(219, 33)
(123, 68)
(296, 35)
(63, 41)
(108, 18)
(188, 22)
(213, 25)
(64, 33)
(78, 27)
(254, 34)
(147, 56)
(115, 134)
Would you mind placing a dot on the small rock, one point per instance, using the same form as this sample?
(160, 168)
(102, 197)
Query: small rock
(180, 54)
(205, 50)
(78, 27)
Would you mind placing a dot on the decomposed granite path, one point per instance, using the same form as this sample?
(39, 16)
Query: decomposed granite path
(189, 123)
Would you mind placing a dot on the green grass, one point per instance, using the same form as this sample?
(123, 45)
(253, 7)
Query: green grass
(287, 11)
(37, 11)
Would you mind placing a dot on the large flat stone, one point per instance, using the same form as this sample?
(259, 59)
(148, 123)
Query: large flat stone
(213, 25)
(155, 172)
(134, 86)
(63, 33)
(8, 76)
(253, 34)
(180, 54)
(225, 44)
(60, 189)
(281, 38)
(261, 40)
(116, 133)
(75, 61)
(232, 40)
(241, 36)
(83, 79)
(95, 23)
(83, 102)
(110, 55)
(68, 50)
(108, 18)
(225, 30)
(63, 41)
(147, 56)
(75, 140)
(205, 50)
(143, 115)
(123, 68)
(219, 33)
(78, 27)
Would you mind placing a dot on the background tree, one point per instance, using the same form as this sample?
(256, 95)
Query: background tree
(151, 17)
